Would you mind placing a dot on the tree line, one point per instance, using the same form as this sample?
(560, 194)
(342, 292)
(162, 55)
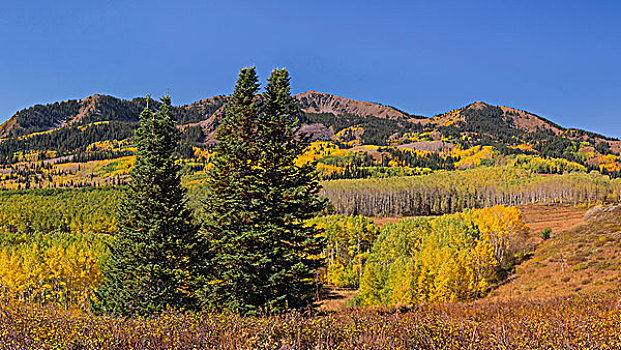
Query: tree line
(450, 258)
(95, 209)
(451, 192)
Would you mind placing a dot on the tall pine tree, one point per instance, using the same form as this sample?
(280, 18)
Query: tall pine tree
(154, 254)
(260, 254)
(289, 194)
(232, 238)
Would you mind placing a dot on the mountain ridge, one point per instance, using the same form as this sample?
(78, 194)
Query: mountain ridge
(325, 116)
(310, 101)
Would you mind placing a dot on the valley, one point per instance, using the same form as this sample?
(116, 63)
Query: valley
(326, 175)
(479, 209)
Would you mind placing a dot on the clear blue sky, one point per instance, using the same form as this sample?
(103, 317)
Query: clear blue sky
(559, 59)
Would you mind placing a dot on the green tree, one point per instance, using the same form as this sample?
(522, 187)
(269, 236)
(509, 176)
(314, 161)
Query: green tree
(289, 195)
(153, 256)
(231, 235)
(261, 257)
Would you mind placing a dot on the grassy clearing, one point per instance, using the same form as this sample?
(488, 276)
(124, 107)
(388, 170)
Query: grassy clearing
(581, 260)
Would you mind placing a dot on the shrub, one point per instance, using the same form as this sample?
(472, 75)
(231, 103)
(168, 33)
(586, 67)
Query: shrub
(545, 233)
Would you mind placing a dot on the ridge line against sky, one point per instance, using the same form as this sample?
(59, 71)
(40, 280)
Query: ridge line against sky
(557, 59)
(552, 118)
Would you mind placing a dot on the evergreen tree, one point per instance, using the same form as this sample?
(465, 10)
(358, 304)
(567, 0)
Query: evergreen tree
(261, 257)
(232, 238)
(289, 194)
(153, 255)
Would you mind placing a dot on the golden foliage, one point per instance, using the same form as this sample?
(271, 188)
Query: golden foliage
(472, 157)
(547, 166)
(50, 268)
(75, 210)
(349, 240)
(503, 229)
(450, 258)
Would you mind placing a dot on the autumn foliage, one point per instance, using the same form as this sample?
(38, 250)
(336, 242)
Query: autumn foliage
(57, 268)
(450, 258)
(349, 240)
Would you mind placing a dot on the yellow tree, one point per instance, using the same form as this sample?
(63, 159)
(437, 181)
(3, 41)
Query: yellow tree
(504, 229)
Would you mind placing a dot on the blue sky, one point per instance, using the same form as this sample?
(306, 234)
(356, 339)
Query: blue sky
(559, 59)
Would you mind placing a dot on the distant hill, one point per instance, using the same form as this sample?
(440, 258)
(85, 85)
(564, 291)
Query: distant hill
(69, 127)
(509, 125)
(320, 102)
(98, 108)
(504, 115)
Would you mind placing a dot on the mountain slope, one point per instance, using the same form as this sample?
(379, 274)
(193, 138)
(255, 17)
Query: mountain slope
(319, 102)
(522, 120)
(580, 260)
(325, 117)
(97, 108)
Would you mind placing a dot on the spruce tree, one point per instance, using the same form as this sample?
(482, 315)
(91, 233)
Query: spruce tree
(261, 257)
(289, 195)
(153, 256)
(232, 238)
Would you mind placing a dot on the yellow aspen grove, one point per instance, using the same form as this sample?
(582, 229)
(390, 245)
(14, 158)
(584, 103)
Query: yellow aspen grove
(49, 268)
(449, 258)
(504, 229)
(349, 241)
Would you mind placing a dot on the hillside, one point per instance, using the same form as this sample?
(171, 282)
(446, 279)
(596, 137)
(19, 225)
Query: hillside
(536, 277)
(515, 118)
(354, 139)
(475, 118)
(320, 102)
(580, 260)
(98, 107)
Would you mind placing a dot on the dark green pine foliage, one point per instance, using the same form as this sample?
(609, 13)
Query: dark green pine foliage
(289, 195)
(233, 239)
(261, 257)
(153, 255)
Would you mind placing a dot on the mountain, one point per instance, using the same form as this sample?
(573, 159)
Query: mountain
(98, 108)
(69, 127)
(516, 118)
(509, 126)
(320, 102)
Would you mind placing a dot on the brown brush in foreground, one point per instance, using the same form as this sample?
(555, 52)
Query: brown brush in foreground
(576, 323)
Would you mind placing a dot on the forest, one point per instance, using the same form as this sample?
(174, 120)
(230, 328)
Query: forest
(494, 235)
(68, 219)
(450, 192)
